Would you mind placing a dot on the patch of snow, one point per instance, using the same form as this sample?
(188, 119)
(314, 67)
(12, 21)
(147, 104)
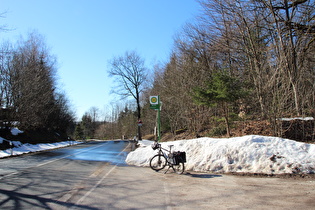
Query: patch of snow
(297, 118)
(144, 143)
(26, 148)
(247, 154)
(15, 131)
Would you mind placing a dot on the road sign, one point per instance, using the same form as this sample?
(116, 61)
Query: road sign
(154, 99)
(154, 102)
(156, 107)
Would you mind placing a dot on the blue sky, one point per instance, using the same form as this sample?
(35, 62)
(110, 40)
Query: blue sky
(85, 34)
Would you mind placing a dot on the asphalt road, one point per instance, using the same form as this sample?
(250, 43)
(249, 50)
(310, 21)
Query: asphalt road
(69, 178)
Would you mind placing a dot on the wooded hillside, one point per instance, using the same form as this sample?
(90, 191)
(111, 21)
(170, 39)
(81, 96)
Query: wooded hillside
(265, 49)
(268, 46)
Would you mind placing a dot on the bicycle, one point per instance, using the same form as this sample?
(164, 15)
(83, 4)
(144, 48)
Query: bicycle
(174, 160)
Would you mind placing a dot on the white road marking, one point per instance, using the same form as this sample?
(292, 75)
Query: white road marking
(99, 182)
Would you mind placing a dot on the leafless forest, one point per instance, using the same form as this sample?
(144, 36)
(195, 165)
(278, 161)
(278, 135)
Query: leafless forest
(264, 47)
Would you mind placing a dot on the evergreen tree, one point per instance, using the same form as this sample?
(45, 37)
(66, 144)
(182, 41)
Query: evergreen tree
(78, 133)
(220, 92)
(87, 126)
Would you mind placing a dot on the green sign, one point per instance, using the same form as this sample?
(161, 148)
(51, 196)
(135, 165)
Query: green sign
(156, 107)
(154, 102)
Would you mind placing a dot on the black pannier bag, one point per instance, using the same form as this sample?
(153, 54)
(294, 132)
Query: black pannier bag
(179, 157)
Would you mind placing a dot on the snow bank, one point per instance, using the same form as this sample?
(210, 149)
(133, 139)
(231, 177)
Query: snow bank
(20, 148)
(26, 148)
(15, 131)
(297, 118)
(248, 154)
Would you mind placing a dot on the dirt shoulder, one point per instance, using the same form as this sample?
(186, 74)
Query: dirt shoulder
(214, 191)
(282, 176)
(147, 189)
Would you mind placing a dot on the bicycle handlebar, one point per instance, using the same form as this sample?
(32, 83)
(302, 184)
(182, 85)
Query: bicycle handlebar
(156, 145)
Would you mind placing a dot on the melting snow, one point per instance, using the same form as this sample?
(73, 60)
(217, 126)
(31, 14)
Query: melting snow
(248, 154)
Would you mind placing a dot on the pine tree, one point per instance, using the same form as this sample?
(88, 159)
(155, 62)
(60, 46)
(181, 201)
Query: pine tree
(221, 91)
(78, 133)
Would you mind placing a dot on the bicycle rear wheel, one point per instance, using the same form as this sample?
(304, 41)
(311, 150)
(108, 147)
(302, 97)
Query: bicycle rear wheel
(158, 162)
(180, 168)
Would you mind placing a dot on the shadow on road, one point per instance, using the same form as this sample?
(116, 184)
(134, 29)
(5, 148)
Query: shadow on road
(42, 188)
(16, 200)
(204, 176)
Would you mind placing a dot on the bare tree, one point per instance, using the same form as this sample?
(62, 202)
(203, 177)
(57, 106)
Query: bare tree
(272, 40)
(5, 64)
(291, 24)
(130, 72)
(94, 113)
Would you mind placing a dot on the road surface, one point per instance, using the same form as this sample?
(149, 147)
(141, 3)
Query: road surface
(94, 176)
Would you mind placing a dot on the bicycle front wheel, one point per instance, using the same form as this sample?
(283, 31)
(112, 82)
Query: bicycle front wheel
(158, 162)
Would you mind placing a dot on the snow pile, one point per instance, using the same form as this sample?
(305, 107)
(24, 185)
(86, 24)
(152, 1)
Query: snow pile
(297, 118)
(20, 148)
(248, 154)
(15, 131)
(26, 148)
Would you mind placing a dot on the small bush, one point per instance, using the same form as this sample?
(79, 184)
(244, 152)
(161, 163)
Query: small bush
(220, 130)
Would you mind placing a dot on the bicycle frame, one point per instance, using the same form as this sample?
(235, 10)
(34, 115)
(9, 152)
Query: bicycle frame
(163, 153)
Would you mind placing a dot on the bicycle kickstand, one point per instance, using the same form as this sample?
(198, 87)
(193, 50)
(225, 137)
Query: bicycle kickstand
(169, 169)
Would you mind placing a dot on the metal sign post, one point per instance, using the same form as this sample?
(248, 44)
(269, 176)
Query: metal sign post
(156, 105)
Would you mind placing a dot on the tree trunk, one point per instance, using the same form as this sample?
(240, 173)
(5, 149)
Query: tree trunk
(139, 114)
(226, 117)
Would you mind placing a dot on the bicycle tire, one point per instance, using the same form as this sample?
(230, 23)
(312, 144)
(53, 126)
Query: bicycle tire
(158, 162)
(180, 168)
